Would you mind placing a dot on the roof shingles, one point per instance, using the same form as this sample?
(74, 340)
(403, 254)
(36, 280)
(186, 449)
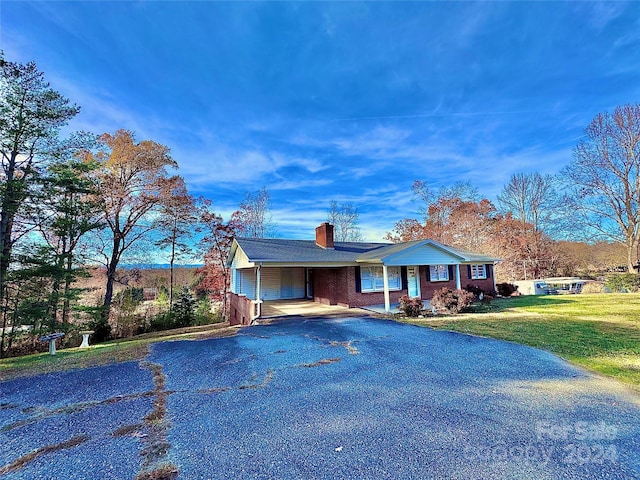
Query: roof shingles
(267, 250)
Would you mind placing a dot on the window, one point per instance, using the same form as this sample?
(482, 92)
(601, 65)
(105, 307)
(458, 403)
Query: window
(439, 273)
(372, 279)
(478, 271)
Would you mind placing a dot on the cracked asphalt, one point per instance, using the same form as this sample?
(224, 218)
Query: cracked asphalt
(324, 398)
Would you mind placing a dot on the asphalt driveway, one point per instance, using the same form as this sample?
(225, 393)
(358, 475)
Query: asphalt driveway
(334, 398)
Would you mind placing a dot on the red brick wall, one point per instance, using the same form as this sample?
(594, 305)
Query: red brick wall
(485, 284)
(325, 283)
(240, 309)
(427, 287)
(337, 286)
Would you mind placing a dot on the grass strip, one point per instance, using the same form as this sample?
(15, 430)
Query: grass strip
(30, 457)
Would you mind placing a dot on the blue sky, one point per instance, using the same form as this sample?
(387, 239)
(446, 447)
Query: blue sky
(345, 101)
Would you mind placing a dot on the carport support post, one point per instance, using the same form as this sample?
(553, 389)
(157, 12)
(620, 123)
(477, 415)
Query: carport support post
(458, 285)
(385, 277)
(259, 290)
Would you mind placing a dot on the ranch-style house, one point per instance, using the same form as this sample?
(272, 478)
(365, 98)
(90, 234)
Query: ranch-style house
(349, 274)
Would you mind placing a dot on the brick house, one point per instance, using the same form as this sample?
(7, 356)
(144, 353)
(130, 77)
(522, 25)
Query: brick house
(349, 274)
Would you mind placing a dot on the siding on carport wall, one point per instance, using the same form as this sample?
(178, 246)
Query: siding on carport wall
(273, 287)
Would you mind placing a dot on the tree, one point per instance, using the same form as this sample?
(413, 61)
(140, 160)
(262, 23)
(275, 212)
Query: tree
(345, 220)
(216, 242)
(133, 182)
(73, 209)
(454, 217)
(604, 178)
(254, 216)
(533, 199)
(31, 115)
(176, 223)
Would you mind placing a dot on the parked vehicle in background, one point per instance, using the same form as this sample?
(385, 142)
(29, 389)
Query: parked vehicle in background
(566, 284)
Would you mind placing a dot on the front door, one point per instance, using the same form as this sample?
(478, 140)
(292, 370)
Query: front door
(309, 279)
(413, 281)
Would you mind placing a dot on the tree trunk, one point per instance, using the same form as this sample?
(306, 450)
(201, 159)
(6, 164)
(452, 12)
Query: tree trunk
(6, 227)
(111, 278)
(631, 249)
(173, 256)
(67, 290)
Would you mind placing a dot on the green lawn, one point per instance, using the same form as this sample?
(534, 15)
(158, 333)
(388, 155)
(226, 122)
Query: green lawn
(598, 332)
(103, 353)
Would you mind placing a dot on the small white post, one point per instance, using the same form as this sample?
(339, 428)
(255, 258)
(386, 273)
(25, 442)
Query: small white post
(385, 278)
(259, 291)
(458, 285)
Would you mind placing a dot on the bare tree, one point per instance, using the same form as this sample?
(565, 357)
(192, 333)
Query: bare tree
(604, 178)
(532, 199)
(177, 222)
(345, 219)
(254, 216)
(132, 184)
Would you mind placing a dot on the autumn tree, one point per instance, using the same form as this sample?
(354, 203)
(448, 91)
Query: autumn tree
(345, 219)
(253, 218)
(454, 216)
(176, 224)
(215, 244)
(133, 183)
(31, 116)
(604, 179)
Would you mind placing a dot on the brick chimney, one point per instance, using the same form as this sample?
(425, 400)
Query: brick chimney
(324, 235)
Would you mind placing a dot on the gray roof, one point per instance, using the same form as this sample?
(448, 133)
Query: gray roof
(271, 250)
(302, 251)
(378, 255)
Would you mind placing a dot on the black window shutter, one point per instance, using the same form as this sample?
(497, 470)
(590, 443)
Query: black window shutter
(469, 271)
(450, 272)
(428, 272)
(358, 280)
(403, 276)
(488, 268)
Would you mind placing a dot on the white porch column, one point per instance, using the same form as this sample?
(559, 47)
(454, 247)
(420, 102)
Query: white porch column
(458, 286)
(259, 290)
(385, 278)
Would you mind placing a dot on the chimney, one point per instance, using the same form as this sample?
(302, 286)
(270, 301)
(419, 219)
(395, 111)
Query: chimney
(324, 235)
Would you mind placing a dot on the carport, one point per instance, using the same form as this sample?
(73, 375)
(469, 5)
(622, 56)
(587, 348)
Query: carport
(304, 308)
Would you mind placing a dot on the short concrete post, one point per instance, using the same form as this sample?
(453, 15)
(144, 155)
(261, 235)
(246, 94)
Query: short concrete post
(85, 338)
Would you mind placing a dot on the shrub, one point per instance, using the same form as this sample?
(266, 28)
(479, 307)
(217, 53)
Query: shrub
(486, 296)
(411, 307)
(205, 314)
(162, 321)
(593, 287)
(101, 327)
(184, 310)
(451, 301)
(506, 289)
(624, 282)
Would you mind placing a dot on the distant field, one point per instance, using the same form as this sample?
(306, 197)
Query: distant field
(599, 332)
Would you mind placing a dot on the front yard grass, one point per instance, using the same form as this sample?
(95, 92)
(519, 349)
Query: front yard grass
(106, 353)
(599, 332)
